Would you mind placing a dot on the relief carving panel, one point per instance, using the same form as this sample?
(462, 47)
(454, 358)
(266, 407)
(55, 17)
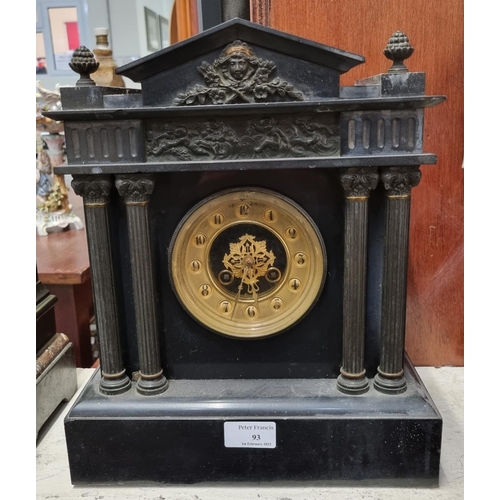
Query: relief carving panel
(264, 137)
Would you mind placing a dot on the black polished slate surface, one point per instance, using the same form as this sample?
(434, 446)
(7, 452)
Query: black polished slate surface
(112, 107)
(252, 33)
(312, 348)
(231, 165)
(321, 434)
(255, 398)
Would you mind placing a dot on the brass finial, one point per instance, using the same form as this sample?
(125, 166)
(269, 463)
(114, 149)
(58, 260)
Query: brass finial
(397, 50)
(84, 63)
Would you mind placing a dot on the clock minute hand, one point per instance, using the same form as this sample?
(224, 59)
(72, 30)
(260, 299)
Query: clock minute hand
(253, 286)
(240, 287)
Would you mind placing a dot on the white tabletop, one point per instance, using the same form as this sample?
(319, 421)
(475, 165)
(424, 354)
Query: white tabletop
(445, 386)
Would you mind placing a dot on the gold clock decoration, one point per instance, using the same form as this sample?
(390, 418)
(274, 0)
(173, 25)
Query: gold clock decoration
(247, 263)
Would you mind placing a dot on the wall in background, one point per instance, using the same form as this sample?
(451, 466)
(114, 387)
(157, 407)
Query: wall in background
(125, 20)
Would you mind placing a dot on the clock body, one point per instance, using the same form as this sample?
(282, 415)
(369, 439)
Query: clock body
(248, 227)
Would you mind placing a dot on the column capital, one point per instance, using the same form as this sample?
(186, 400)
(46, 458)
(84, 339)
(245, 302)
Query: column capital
(398, 181)
(358, 182)
(135, 188)
(94, 189)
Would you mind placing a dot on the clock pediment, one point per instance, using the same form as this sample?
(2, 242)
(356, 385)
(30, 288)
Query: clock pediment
(240, 62)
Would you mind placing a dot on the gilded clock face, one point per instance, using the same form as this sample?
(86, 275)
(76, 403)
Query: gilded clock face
(247, 263)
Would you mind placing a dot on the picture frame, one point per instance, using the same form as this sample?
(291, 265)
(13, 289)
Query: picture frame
(164, 31)
(152, 30)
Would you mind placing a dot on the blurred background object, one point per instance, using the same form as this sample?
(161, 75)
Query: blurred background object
(105, 75)
(55, 361)
(53, 210)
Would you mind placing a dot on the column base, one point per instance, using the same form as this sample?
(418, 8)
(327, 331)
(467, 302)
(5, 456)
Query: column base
(389, 385)
(352, 385)
(114, 386)
(150, 387)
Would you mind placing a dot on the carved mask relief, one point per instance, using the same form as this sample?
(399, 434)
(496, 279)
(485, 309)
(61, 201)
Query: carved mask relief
(238, 75)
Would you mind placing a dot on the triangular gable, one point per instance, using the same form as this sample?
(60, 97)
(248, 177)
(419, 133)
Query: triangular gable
(280, 67)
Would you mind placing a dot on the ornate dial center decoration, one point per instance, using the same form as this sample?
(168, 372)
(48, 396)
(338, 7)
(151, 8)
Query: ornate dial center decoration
(249, 260)
(247, 263)
(237, 75)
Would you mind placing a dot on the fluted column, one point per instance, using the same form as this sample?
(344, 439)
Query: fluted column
(357, 184)
(398, 182)
(136, 190)
(95, 191)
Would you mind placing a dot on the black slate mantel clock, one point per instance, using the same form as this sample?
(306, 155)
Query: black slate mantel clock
(247, 222)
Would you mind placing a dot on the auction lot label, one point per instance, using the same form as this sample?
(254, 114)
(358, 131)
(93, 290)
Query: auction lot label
(250, 434)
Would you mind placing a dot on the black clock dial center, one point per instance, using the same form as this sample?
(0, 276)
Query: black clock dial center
(249, 254)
